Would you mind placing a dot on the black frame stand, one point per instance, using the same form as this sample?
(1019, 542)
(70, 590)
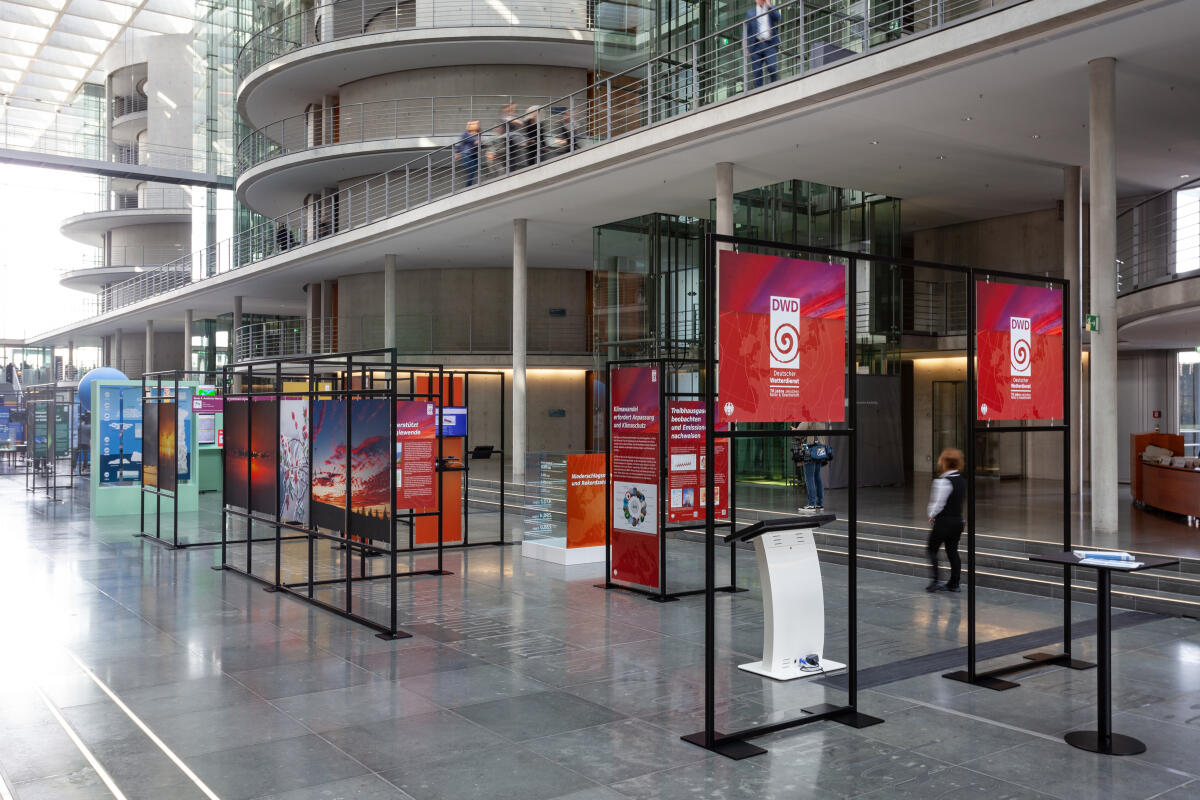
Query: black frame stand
(155, 395)
(51, 396)
(1103, 740)
(736, 745)
(666, 367)
(351, 376)
(994, 678)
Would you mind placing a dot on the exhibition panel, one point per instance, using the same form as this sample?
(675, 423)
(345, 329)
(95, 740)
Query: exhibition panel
(167, 447)
(656, 479)
(331, 455)
(52, 413)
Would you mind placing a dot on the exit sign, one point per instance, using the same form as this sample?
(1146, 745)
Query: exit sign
(1091, 323)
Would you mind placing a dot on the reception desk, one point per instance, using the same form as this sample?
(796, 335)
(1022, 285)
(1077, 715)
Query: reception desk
(1165, 487)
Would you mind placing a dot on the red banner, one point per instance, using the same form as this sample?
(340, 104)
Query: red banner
(585, 499)
(635, 471)
(686, 470)
(416, 454)
(1018, 344)
(782, 346)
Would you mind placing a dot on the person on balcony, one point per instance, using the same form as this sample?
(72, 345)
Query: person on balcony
(466, 152)
(760, 41)
(566, 137)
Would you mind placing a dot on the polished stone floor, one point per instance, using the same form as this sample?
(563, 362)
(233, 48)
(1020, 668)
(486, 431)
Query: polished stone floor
(130, 670)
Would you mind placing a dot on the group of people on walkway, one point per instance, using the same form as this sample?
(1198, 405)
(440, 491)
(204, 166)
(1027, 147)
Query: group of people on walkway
(516, 142)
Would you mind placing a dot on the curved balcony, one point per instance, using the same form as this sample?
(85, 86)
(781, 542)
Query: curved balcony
(340, 42)
(287, 158)
(123, 262)
(148, 206)
(1158, 240)
(706, 73)
(416, 334)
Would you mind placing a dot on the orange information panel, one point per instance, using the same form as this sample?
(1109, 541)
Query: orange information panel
(585, 499)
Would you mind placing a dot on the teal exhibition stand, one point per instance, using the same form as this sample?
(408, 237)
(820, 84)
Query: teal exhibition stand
(113, 423)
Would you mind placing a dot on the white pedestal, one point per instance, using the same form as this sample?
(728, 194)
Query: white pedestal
(793, 606)
(557, 552)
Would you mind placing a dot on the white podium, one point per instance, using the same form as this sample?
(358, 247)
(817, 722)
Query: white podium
(793, 597)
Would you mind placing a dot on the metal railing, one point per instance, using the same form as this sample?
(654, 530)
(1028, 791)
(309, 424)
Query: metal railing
(1158, 240)
(706, 72)
(123, 104)
(148, 197)
(346, 19)
(130, 256)
(416, 334)
(364, 122)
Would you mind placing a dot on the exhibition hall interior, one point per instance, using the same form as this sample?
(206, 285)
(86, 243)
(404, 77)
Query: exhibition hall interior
(599, 400)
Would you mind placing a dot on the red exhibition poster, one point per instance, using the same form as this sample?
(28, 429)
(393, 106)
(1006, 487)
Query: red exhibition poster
(416, 454)
(782, 348)
(585, 499)
(635, 465)
(1018, 344)
(686, 470)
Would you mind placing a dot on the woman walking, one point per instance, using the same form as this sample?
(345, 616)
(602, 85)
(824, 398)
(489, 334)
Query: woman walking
(945, 518)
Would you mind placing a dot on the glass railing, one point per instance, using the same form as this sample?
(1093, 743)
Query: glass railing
(1158, 240)
(346, 19)
(709, 71)
(413, 117)
(416, 334)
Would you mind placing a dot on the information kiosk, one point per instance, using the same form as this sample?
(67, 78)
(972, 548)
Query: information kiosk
(793, 597)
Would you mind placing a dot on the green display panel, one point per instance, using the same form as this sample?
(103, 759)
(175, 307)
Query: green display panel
(62, 431)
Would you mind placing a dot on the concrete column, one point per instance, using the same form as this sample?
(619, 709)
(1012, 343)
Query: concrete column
(1102, 177)
(118, 350)
(187, 339)
(237, 324)
(1073, 271)
(520, 287)
(327, 314)
(70, 352)
(389, 300)
(313, 317)
(149, 365)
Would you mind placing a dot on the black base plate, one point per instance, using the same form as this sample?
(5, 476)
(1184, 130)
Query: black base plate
(388, 637)
(1118, 745)
(1061, 660)
(844, 715)
(997, 684)
(737, 749)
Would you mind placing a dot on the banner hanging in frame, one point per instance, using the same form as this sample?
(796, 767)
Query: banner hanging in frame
(634, 422)
(686, 468)
(1018, 340)
(782, 342)
(416, 454)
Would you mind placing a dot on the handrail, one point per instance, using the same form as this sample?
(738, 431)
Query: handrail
(706, 72)
(1158, 240)
(340, 19)
(373, 121)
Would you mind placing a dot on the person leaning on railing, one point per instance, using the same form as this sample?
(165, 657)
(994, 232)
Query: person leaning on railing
(466, 151)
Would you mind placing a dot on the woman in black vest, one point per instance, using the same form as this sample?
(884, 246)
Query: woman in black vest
(945, 517)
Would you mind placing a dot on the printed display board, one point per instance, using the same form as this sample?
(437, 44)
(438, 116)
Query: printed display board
(370, 460)
(328, 463)
(207, 400)
(635, 474)
(426, 528)
(118, 415)
(1018, 340)
(5, 430)
(585, 499)
(454, 421)
(237, 452)
(782, 342)
(41, 429)
(294, 483)
(150, 440)
(416, 454)
(686, 470)
(264, 416)
(62, 430)
(206, 429)
(168, 463)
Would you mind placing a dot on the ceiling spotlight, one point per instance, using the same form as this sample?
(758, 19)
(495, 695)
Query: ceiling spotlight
(1184, 176)
(1036, 136)
(874, 141)
(967, 119)
(941, 158)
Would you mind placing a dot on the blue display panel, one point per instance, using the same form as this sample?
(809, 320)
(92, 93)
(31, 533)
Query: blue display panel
(119, 418)
(454, 421)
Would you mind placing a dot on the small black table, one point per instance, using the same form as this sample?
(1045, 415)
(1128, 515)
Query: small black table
(1104, 740)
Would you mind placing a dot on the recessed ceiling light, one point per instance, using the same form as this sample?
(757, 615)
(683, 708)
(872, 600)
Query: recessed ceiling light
(967, 119)
(874, 141)
(1184, 176)
(1036, 136)
(941, 158)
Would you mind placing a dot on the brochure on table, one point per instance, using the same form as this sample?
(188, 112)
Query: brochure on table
(117, 450)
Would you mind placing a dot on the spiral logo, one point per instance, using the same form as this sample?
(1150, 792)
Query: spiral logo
(1020, 356)
(785, 340)
(785, 332)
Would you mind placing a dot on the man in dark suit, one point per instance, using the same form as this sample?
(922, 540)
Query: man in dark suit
(761, 41)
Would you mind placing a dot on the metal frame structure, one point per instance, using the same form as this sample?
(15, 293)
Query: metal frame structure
(349, 376)
(49, 395)
(993, 678)
(664, 527)
(736, 745)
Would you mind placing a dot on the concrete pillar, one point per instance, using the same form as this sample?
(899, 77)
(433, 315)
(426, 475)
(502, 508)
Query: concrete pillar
(1073, 271)
(1102, 201)
(118, 350)
(70, 352)
(312, 315)
(237, 324)
(389, 300)
(187, 339)
(520, 286)
(149, 365)
(329, 315)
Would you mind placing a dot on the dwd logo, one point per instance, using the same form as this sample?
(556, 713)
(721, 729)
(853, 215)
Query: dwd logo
(1019, 354)
(785, 333)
